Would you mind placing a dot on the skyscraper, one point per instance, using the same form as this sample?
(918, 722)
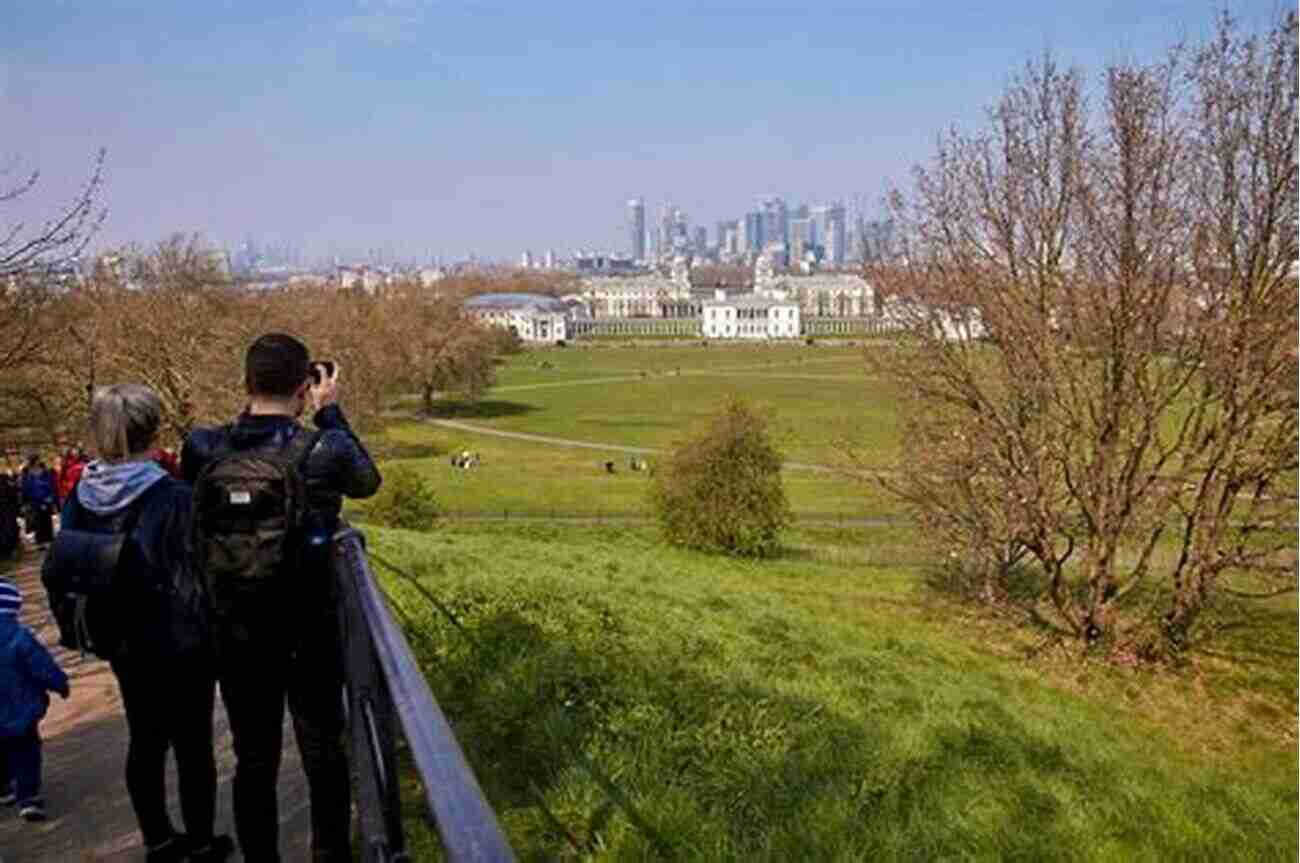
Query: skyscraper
(754, 238)
(830, 232)
(801, 239)
(701, 241)
(666, 225)
(722, 228)
(636, 227)
(730, 246)
(775, 219)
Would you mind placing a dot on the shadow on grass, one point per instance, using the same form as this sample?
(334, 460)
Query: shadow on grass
(485, 409)
(383, 449)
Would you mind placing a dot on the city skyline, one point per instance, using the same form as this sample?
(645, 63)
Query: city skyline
(450, 130)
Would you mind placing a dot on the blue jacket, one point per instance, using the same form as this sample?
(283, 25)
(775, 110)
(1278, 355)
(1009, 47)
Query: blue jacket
(38, 487)
(27, 674)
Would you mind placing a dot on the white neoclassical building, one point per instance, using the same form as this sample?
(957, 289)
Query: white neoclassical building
(532, 317)
(647, 295)
(629, 296)
(749, 317)
(819, 295)
(830, 295)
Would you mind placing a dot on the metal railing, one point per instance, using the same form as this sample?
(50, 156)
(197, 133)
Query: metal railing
(385, 692)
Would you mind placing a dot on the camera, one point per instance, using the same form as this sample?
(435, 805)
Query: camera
(315, 368)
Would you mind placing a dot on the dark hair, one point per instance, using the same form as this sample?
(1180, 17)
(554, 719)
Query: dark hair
(275, 365)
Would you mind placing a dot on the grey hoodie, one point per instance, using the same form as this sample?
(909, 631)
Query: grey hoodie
(106, 488)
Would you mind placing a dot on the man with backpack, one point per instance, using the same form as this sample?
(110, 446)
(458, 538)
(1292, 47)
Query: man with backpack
(267, 497)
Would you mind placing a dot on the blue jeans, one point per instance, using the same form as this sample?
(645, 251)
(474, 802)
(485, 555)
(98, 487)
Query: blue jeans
(20, 765)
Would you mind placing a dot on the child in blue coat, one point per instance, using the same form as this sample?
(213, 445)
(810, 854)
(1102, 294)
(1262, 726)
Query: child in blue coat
(27, 674)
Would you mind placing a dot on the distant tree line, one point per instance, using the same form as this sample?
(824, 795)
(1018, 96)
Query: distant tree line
(169, 317)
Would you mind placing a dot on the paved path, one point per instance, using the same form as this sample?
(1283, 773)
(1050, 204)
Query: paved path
(460, 425)
(85, 755)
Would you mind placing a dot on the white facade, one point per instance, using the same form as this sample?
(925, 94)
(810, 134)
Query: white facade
(823, 295)
(631, 296)
(529, 326)
(750, 318)
(955, 324)
(534, 318)
(368, 279)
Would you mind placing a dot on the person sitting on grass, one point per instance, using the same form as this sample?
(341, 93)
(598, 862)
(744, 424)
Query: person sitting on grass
(27, 675)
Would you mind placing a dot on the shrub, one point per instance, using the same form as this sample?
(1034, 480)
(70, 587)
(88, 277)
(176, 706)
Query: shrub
(406, 500)
(721, 490)
(505, 342)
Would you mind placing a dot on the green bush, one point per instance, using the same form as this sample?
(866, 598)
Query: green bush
(405, 500)
(722, 490)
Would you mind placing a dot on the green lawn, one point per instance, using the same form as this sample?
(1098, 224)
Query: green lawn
(523, 478)
(819, 398)
(828, 705)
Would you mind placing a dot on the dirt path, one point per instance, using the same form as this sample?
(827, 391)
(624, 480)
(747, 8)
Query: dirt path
(85, 756)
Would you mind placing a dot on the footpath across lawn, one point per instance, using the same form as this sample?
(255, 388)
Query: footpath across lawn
(827, 705)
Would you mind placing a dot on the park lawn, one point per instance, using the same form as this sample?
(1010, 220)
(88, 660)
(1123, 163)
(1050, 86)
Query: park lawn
(583, 360)
(825, 705)
(814, 418)
(522, 478)
(821, 400)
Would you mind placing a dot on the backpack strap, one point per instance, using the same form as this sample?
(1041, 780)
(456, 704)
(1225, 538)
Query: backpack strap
(297, 451)
(299, 448)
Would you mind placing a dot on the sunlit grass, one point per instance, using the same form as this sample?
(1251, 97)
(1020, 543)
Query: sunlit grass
(829, 705)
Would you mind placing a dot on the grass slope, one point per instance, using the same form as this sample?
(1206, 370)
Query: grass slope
(824, 706)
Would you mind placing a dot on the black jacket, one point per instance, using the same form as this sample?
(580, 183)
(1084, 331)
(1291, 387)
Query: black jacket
(155, 575)
(338, 465)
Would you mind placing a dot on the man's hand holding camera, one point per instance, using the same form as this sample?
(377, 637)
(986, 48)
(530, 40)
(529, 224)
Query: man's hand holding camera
(324, 388)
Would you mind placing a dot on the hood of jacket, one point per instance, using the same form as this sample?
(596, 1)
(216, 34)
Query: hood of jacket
(107, 488)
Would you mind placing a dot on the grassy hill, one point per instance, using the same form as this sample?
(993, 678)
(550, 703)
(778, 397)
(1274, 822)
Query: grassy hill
(828, 705)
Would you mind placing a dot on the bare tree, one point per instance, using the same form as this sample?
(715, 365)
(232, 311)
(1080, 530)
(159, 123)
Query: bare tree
(168, 319)
(435, 347)
(25, 249)
(1103, 319)
(34, 264)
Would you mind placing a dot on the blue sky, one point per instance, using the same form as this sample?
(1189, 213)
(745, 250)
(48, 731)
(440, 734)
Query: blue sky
(448, 128)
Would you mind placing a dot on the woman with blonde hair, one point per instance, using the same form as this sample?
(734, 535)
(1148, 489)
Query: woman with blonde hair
(121, 585)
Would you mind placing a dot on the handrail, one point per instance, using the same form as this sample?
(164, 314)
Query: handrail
(384, 684)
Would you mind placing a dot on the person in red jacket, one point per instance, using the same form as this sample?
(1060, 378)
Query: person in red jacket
(69, 473)
(166, 459)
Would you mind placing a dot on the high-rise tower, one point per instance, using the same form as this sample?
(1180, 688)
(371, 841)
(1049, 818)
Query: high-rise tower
(636, 227)
(775, 219)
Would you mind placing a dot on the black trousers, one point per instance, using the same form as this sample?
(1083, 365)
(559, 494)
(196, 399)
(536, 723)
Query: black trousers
(169, 705)
(43, 523)
(257, 676)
